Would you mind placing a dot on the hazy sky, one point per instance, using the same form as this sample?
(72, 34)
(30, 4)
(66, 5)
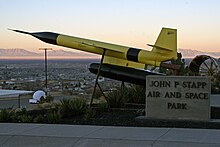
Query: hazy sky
(128, 22)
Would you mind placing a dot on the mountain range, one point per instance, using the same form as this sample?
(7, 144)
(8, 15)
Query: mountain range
(189, 53)
(19, 53)
(22, 53)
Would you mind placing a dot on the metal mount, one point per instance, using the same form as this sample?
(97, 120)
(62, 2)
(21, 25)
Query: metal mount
(97, 78)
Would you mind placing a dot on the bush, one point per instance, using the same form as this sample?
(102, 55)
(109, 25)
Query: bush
(21, 115)
(64, 108)
(69, 108)
(15, 115)
(53, 117)
(131, 94)
(117, 98)
(136, 94)
(5, 115)
(20, 112)
(102, 106)
(78, 106)
(26, 118)
(39, 119)
(89, 113)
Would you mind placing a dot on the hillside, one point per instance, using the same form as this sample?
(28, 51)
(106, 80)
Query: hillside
(22, 53)
(189, 53)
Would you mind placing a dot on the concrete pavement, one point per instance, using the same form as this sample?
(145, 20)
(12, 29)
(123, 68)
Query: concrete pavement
(94, 136)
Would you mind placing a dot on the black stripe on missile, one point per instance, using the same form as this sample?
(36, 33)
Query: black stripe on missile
(48, 37)
(132, 54)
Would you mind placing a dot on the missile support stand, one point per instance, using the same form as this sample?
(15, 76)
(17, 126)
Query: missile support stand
(97, 78)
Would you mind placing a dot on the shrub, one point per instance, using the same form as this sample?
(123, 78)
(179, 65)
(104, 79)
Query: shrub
(136, 94)
(102, 106)
(131, 94)
(39, 119)
(21, 115)
(117, 98)
(74, 107)
(5, 115)
(89, 113)
(20, 112)
(78, 106)
(26, 118)
(53, 117)
(64, 108)
(13, 115)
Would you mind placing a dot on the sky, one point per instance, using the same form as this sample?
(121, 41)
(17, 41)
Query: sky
(133, 23)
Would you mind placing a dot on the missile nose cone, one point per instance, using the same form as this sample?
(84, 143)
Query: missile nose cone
(48, 37)
(19, 31)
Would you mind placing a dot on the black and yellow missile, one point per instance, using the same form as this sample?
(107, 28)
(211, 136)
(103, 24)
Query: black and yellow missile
(118, 56)
(164, 49)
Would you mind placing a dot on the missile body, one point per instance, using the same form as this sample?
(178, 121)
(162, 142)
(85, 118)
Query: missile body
(97, 47)
(120, 73)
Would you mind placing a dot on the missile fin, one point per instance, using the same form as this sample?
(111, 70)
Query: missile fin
(160, 47)
(93, 45)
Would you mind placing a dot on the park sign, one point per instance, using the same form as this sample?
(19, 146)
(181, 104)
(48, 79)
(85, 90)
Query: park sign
(178, 97)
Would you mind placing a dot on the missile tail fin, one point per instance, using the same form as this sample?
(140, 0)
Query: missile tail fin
(166, 43)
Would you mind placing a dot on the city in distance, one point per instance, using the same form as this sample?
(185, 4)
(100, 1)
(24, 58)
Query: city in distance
(17, 53)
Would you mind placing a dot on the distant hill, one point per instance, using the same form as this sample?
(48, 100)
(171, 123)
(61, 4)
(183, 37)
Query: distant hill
(189, 53)
(22, 53)
(16, 52)
(65, 53)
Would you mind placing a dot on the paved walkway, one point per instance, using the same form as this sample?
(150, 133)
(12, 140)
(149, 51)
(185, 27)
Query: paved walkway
(94, 136)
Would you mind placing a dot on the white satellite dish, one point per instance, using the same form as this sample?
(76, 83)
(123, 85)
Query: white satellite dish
(37, 97)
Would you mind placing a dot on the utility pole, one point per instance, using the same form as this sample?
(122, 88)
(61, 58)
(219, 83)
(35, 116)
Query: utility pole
(45, 61)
